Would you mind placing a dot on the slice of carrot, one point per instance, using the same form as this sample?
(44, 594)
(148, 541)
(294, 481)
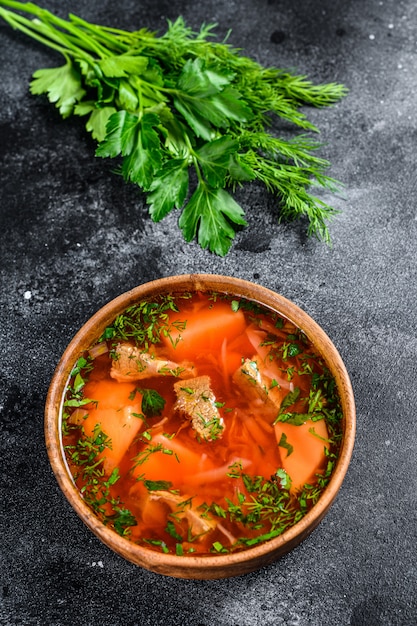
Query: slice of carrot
(307, 456)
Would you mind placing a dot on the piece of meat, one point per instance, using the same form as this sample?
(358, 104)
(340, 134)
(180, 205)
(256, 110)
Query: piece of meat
(258, 387)
(183, 508)
(131, 363)
(197, 402)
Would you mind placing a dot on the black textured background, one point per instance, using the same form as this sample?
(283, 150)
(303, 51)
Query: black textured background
(73, 236)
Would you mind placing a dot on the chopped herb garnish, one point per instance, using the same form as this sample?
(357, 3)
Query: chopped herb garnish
(290, 399)
(219, 547)
(152, 402)
(122, 520)
(294, 349)
(296, 419)
(157, 485)
(283, 443)
(157, 542)
(143, 456)
(96, 488)
(171, 530)
(146, 323)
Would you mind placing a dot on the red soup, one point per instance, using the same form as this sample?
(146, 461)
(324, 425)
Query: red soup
(200, 423)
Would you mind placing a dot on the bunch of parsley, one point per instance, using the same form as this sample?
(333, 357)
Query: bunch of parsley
(187, 119)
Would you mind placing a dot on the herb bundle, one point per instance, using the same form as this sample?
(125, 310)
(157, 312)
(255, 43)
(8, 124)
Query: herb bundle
(187, 119)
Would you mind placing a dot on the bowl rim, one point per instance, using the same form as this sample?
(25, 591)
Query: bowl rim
(199, 566)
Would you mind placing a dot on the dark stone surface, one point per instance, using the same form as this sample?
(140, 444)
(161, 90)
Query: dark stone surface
(73, 236)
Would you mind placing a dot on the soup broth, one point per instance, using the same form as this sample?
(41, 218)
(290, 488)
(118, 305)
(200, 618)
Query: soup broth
(201, 424)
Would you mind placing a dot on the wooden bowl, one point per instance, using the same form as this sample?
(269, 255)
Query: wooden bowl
(221, 565)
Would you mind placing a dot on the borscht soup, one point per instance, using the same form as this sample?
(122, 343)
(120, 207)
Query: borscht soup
(201, 423)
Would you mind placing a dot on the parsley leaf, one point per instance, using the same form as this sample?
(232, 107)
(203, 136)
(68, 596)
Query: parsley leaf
(206, 215)
(135, 139)
(203, 101)
(62, 85)
(214, 159)
(121, 135)
(145, 159)
(98, 118)
(169, 189)
(123, 65)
